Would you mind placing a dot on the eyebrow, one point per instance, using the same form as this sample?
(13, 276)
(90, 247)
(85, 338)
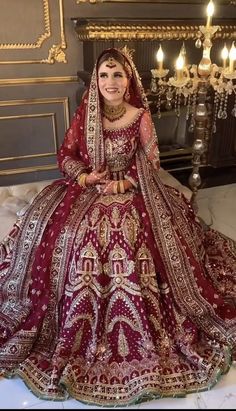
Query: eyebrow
(115, 72)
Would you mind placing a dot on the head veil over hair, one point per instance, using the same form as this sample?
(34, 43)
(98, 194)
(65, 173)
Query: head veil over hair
(93, 124)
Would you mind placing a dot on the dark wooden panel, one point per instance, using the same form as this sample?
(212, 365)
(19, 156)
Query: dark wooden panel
(32, 127)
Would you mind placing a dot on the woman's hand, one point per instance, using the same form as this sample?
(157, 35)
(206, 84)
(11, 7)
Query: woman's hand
(107, 187)
(96, 177)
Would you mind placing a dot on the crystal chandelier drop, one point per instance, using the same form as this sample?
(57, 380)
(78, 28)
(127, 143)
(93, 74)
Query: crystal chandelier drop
(184, 85)
(192, 85)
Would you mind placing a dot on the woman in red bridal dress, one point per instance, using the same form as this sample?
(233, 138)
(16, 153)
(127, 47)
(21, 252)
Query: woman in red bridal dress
(111, 290)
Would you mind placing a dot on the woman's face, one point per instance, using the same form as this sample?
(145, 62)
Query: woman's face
(112, 81)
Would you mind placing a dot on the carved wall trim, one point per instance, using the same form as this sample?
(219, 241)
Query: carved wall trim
(121, 29)
(52, 116)
(232, 2)
(39, 41)
(55, 52)
(49, 100)
(38, 80)
(24, 170)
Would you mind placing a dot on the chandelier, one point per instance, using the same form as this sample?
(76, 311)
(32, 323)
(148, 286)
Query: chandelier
(190, 86)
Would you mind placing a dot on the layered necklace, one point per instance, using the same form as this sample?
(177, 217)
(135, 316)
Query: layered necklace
(113, 113)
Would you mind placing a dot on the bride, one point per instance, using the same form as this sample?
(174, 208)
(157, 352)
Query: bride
(111, 291)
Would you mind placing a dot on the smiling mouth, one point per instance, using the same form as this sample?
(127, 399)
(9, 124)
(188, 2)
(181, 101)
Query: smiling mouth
(111, 90)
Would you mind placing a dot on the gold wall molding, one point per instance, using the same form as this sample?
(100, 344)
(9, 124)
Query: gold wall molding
(154, 1)
(24, 170)
(37, 80)
(38, 43)
(60, 100)
(64, 102)
(34, 115)
(103, 29)
(56, 52)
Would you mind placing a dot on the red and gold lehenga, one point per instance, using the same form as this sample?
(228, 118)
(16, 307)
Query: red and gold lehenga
(115, 299)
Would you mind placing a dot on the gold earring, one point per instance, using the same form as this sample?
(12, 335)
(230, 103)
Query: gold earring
(127, 95)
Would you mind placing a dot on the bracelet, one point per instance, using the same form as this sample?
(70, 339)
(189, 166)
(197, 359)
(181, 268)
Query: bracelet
(115, 187)
(122, 186)
(82, 179)
(118, 187)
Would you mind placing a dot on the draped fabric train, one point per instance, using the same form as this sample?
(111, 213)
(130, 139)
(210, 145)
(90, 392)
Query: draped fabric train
(116, 299)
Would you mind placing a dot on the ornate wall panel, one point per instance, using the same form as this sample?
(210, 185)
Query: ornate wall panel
(31, 132)
(153, 1)
(145, 30)
(34, 32)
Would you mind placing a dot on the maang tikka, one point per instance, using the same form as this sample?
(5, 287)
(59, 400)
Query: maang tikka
(111, 62)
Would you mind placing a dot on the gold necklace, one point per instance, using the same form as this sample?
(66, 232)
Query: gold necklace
(113, 113)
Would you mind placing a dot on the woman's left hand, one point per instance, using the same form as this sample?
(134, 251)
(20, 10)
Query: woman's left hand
(106, 187)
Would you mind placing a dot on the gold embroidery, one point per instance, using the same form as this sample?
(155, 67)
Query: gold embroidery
(131, 228)
(73, 167)
(123, 347)
(104, 232)
(83, 272)
(78, 339)
(119, 152)
(132, 317)
(94, 216)
(115, 198)
(147, 269)
(115, 215)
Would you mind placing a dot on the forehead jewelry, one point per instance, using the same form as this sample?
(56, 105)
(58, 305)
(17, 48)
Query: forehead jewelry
(111, 62)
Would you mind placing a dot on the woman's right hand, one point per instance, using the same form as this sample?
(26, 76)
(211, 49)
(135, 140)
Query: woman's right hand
(96, 176)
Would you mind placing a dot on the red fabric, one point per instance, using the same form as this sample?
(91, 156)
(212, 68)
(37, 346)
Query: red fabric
(121, 298)
(93, 313)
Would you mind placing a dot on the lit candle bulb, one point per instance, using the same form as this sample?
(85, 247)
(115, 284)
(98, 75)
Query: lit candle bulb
(179, 67)
(160, 57)
(210, 12)
(224, 55)
(232, 57)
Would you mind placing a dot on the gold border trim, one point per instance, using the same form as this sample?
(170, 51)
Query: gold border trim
(41, 38)
(103, 29)
(55, 136)
(28, 169)
(38, 80)
(63, 100)
(224, 2)
(56, 52)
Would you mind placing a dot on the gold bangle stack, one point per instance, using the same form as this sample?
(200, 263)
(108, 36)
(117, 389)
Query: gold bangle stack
(115, 187)
(121, 186)
(82, 179)
(118, 187)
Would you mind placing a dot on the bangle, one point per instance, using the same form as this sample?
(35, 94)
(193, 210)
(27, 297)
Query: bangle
(82, 179)
(118, 187)
(115, 187)
(122, 186)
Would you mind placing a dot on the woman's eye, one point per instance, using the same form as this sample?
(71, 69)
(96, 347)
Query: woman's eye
(102, 75)
(118, 75)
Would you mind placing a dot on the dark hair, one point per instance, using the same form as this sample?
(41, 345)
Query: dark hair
(135, 96)
(118, 57)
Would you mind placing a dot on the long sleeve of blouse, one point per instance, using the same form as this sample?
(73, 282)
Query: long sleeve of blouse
(149, 144)
(149, 141)
(69, 157)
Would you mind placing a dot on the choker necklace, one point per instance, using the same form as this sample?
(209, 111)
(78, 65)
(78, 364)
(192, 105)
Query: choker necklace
(113, 113)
